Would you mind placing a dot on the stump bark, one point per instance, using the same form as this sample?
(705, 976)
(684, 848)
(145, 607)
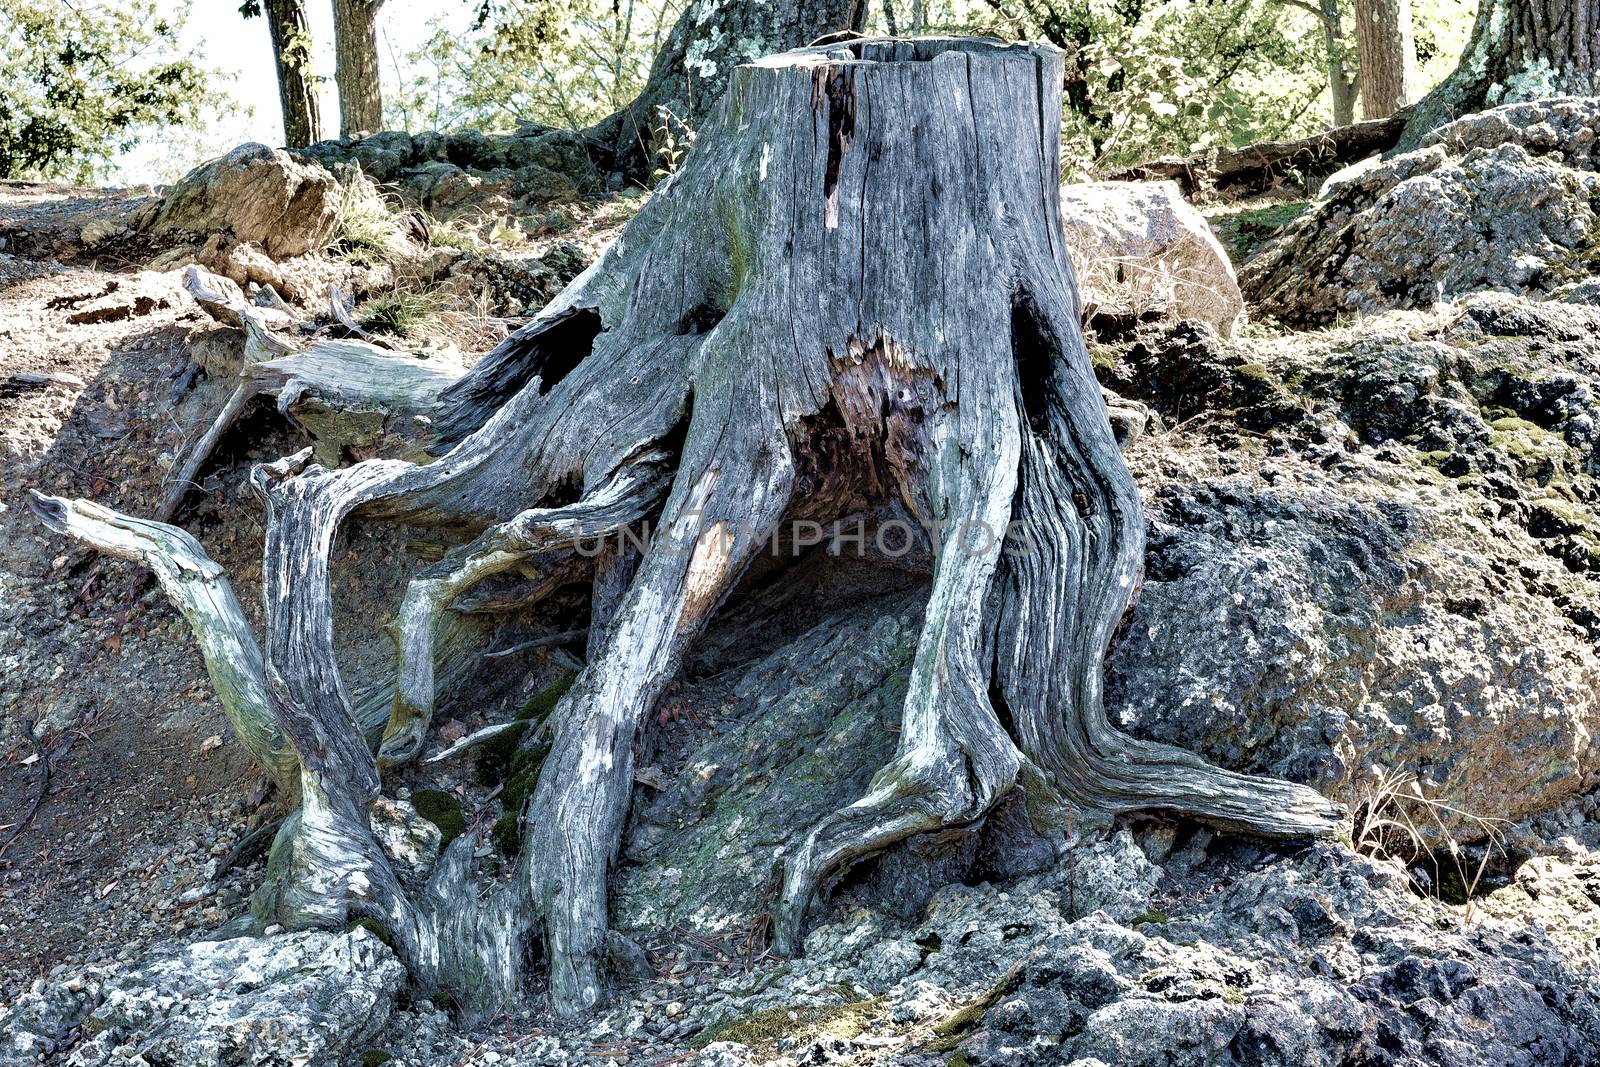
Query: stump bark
(852, 299)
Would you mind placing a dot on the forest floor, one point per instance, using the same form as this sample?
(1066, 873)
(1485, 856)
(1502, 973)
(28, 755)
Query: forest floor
(102, 685)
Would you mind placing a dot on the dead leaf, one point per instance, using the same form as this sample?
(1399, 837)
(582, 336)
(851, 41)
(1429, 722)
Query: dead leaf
(654, 777)
(211, 744)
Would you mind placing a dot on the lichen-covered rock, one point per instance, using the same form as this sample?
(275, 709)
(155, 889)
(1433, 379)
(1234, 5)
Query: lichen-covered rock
(1304, 956)
(1139, 248)
(264, 196)
(284, 1001)
(1504, 199)
(1394, 569)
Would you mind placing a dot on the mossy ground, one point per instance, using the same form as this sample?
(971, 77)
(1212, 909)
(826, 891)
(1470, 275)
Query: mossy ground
(954, 1028)
(443, 810)
(768, 1031)
(514, 763)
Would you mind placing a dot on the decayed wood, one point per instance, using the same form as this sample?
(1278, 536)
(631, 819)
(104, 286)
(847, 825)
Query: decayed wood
(340, 392)
(853, 294)
(627, 498)
(1260, 166)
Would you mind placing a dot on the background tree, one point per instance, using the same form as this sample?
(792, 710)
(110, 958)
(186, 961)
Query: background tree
(1519, 50)
(1341, 85)
(1388, 56)
(690, 72)
(1147, 80)
(566, 63)
(355, 44)
(290, 31)
(81, 83)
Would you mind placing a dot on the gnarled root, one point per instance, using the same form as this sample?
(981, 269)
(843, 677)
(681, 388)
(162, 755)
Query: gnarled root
(201, 591)
(630, 496)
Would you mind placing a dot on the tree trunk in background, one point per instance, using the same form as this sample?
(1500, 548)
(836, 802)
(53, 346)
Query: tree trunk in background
(1388, 56)
(1340, 84)
(1519, 50)
(355, 32)
(291, 54)
(689, 74)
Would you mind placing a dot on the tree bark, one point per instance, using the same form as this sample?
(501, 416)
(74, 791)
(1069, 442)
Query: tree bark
(1388, 56)
(1341, 86)
(853, 298)
(1519, 50)
(355, 39)
(291, 54)
(692, 69)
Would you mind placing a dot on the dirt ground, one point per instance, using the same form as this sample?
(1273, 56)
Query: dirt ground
(99, 680)
(121, 787)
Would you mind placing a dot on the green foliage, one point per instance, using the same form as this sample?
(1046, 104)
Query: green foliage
(1147, 79)
(566, 63)
(403, 313)
(81, 83)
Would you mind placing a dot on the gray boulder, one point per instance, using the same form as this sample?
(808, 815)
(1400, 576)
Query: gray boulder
(1394, 568)
(294, 999)
(262, 196)
(1139, 249)
(1498, 200)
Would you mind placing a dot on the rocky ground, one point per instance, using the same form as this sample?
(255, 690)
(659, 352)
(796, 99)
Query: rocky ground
(1372, 567)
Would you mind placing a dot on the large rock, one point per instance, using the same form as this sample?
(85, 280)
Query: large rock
(262, 196)
(1503, 199)
(1395, 567)
(1139, 248)
(1370, 981)
(284, 1001)
(1309, 956)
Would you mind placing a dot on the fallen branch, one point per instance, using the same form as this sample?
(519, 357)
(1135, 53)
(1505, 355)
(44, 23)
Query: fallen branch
(1256, 167)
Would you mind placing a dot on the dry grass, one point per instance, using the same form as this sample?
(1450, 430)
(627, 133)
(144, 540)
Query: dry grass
(1395, 819)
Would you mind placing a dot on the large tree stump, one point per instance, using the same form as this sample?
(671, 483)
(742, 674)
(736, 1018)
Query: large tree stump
(853, 298)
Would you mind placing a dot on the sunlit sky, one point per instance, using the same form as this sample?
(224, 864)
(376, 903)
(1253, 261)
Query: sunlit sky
(240, 49)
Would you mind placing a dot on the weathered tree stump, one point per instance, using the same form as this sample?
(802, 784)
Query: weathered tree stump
(853, 298)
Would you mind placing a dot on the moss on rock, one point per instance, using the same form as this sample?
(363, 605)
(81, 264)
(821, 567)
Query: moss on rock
(766, 1031)
(443, 810)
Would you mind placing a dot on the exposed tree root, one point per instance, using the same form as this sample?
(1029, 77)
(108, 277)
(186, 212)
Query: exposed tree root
(853, 296)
